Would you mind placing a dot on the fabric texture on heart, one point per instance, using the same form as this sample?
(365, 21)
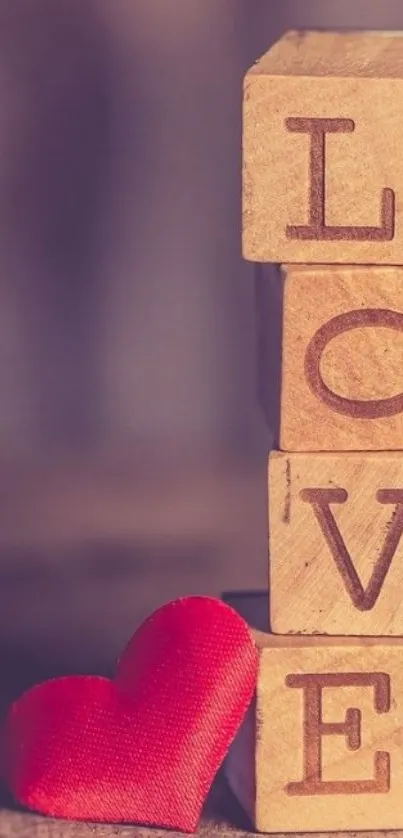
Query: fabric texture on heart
(145, 747)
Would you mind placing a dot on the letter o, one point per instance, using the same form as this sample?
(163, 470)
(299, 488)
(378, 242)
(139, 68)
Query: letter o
(355, 319)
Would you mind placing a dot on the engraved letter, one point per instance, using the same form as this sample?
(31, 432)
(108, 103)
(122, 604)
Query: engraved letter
(315, 728)
(363, 599)
(355, 319)
(317, 229)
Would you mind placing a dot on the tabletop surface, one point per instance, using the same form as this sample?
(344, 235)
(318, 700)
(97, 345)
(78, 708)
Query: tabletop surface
(223, 817)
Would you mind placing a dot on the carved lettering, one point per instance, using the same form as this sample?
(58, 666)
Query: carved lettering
(362, 598)
(314, 728)
(354, 319)
(317, 228)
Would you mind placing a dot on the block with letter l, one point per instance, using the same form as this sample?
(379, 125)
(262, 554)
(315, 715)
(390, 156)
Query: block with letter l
(323, 172)
(322, 747)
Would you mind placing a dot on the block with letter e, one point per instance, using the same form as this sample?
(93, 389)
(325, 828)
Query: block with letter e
(322, 747)
(342, 358)
(323, 170)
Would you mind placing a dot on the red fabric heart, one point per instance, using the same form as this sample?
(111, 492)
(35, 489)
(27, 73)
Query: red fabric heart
(145, 747)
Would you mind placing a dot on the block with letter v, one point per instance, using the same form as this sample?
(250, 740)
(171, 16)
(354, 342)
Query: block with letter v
(336, 543)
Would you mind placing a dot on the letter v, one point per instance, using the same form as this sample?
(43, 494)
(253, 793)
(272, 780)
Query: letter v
(320, 500)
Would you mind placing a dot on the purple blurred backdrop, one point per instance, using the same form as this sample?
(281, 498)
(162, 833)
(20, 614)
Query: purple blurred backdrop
(134, 414)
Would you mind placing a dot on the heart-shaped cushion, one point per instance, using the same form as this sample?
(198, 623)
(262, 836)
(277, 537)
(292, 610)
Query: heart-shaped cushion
(145, 747)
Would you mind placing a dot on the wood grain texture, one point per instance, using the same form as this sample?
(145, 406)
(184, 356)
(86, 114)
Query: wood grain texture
(342, 359)
(322, 747)
(336, 546)
(323, 172)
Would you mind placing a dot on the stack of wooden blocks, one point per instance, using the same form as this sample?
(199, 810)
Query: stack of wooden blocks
(322, 748)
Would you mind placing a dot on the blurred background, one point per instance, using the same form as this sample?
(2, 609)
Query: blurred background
(135, 361)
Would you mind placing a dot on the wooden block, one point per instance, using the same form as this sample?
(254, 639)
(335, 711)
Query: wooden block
(322, 747)
(336, 546)
(323, 168)
(342, 386)
(253, 606)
